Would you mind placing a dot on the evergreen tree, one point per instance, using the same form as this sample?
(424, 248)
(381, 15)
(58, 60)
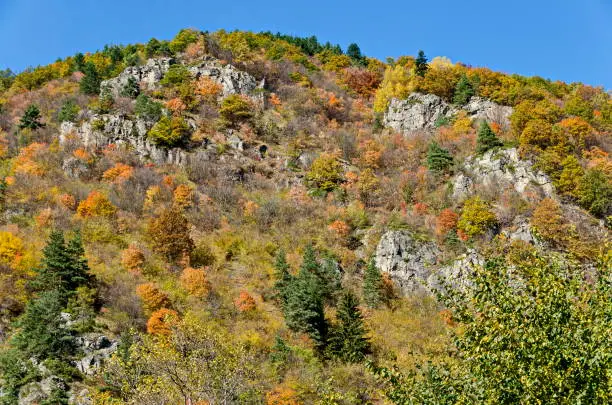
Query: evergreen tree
(326, 273)
(78, 63)
(42, 333)
(463, 90)
(304, 308)
(420, 64)
(486, 138)
(90, 83)
(68, 112)
(31, 118)
(354, 53)
(63, 266)
(348, 341)
(438, 159)
(131, 88)
(283, 277)
(372, 286)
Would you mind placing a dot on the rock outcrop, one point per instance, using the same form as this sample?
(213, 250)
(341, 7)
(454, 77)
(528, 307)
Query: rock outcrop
(232, 80)
(423, 111)
(102, 130)
(97, 349)
(409, 261)
(500, 168)
(457, 274)
(148, 75)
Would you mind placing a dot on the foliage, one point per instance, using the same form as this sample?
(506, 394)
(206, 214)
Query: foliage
(347, 339)
(245, 302)
(160, 322)
(180, 42)
(96, 205)
(439, 160)
(152, 298)
(446, 221)
(487, 139)
(326, 173)
(147, 109)
(464, 90)
(235, 109)
(131, 88)
(133, 259)
(373, 288)
(420, 64)
(31, 118)
(195, 282)
(68, 112)
(532, 334)
(476, 217)
(90, 83)
(595, 192)
(169, 233)
(548, 222)
(169, 132)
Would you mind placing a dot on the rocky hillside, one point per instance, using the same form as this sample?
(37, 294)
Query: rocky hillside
(253, 218)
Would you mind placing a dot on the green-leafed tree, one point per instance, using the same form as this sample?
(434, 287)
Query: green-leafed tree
(282, 276)
(463, 90)
(487, 139)
(595, 192)
(90, 83)
(31, 118)
(348, 339)
(439, 160)
(420, 64)
(147, 109)
(372, 286)
(169, 132)
(68, 112)
(531, 332)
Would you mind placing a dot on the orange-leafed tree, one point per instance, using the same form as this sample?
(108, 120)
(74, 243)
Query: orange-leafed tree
(245, 302)
(118, 173)
(161, 321)
(183, 196)
(152, 297)
(132, 259)
(169, 233)
(96, 205)
(446, 221)
(194, 281)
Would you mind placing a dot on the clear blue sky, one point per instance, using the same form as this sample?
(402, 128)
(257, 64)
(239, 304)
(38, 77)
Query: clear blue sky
(569, 40)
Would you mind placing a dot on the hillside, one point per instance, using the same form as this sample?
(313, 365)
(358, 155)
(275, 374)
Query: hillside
(237, 217)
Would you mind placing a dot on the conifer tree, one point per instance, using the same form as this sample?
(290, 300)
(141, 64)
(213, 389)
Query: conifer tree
(486, 138)
(31, 118)
(90, 83)
(463, 90)
(283, 277)
(438, 159)
(304, 307)
(372, 286)
(420, 64)
(348, 339)
(131, 88)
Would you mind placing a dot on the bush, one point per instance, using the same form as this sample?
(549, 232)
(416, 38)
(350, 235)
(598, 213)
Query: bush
(326, 173)
(438, 159)
(170, 234)
(68, 112)
(31, 118)
(152, 298)
(595, 192)
(147, 109)
(235, 109)
(161, 321)
(96, 205)
(175, 76)
(476, 217)
(194, 281)
(169, 132)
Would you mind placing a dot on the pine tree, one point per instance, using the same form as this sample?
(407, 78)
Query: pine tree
(31, 118)
(438, 159)
(420, 64)
(90, 83)
(283, 277)
(463, 90)
(304, 308)
(372, 286)
(354, 52)
(486, 138)
(63, 266)
(78, 62)
(348, 341)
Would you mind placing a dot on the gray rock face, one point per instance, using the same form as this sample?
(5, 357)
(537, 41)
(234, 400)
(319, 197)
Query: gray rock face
(456, 275)
(418, 111)
(97, 349)
(148, 75)
(232, 80)
(421, 111)
(500, 168)
(409, 261)
(103, 130)
(520, 230)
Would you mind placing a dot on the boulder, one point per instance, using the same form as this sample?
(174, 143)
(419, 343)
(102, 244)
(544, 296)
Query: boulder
(232, 80)
(456, 275)
(500, 168)
(422, 111)
(97, 349)
(148, 75)
(407, 259)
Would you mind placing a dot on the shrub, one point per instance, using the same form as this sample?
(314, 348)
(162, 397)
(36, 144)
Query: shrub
(183, 196)
(96, 204)
(68, 112)
(147, 109)
(476, 217)
(438, 159)
(131, 89)
(245, 302)
(175, 76)
(194, 281)
(161, 322)
(31, 118)
(548, 222)
(486, 138)
(202, 256)
(118, 173)
(169, 132)
(170, 234)
(595, 192)
(185, 37)
(152, 298)
(90, 83)
(446, 221)
(235, 109)
(132, 259)
(326, 173)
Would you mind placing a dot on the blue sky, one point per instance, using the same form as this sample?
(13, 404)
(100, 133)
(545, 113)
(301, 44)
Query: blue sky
(568, 40)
